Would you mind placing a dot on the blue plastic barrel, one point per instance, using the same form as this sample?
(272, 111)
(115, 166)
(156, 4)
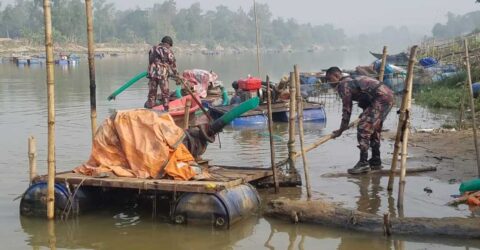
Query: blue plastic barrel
(34, 200)
(220, 209)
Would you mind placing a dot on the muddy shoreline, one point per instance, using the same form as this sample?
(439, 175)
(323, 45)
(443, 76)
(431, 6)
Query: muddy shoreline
(451, 151)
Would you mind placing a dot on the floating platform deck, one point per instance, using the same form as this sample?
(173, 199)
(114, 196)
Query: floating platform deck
(223, 177)
(223, 198)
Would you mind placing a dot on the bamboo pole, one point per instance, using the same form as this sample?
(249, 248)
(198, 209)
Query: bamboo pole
(291, 123)
(91, 66)
(270, 131)
(402, 118)
(382, 66)
(405, 130)
(472, 104)
(51, 109)
(32, 157)
(52, 238)
(257, 37)
(300, 130)
(324, 139)
(462, 109)
(186, 115)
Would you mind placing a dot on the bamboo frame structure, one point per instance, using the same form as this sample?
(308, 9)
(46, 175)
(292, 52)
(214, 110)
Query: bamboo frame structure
(91, 66)
(32, 157)
(291, 122)
(405, 130)
(51, 109)
(472, 104)
(402, 118)
(270, 132)
(382, 66)
(186, 115)
(300, 130)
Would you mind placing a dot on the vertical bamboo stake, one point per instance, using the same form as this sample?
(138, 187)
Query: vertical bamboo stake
(51, 109)
(462, 109)
(406, 128)
(270, 131)
(402, 117)
(472, 104)
(300, 130)
(257, 36)
(382, 66)
(91, 66)
(186, 115)
(291, 123)
(32, 157)
(52, 238)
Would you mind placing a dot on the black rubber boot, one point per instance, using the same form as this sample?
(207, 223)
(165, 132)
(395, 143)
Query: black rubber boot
(362, 165)
(375, 162)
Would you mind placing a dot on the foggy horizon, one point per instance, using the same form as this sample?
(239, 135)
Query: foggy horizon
(354, 17)
(392, 13)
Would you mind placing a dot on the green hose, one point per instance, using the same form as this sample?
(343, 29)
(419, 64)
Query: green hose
(127, 85)
(226, 101)
(178, 91)
(240, 109)
(217, 125)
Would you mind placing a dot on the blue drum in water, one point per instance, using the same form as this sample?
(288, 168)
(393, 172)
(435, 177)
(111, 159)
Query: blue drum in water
(220, 209)
(34, 200)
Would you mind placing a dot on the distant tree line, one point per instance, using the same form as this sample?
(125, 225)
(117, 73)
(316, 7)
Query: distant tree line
(457, 25)
(24, 20)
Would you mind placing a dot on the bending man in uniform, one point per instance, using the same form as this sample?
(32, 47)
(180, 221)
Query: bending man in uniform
(161, 61)
(376, 100)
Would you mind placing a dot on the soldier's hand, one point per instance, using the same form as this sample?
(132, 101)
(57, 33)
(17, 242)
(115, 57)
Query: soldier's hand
(337, 133)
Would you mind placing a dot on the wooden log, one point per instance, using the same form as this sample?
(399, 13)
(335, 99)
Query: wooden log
(270, 131)
(32, 157)
(300, 131)
(382, 172)
(186, 115)
(401, 121)
(472, 105)
(291, 122)
(328, 214)
(91, 66)
(405, 129)
(51, 109)
(382, 66)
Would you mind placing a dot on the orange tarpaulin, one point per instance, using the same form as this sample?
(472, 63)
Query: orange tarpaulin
(139, 143)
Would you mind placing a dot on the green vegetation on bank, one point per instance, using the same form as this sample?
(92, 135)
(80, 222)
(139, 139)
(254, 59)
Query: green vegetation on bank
(446, 93)
(148, 24)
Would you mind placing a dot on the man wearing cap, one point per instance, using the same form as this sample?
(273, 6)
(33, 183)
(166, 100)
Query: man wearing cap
(376, 100)
(161, 64)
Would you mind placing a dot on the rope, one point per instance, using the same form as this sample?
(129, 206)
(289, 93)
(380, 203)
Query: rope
(68, 207)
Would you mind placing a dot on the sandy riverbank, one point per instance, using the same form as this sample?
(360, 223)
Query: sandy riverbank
(452, 152)
(9, 47)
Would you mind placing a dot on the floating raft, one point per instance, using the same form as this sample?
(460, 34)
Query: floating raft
(219, 201)
(313, 112)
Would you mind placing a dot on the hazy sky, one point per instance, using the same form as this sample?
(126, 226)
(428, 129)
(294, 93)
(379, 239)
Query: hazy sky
(354, 16)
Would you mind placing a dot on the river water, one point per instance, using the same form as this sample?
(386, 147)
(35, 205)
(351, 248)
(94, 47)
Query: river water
(23, 112)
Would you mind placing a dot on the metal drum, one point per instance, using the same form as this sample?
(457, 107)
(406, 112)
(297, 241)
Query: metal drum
(34, 200)
(220, 209)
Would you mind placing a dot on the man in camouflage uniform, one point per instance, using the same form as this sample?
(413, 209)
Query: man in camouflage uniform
(161, 61)
(376, 100)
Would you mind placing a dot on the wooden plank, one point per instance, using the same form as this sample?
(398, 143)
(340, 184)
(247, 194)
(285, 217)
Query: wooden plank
(225, 178)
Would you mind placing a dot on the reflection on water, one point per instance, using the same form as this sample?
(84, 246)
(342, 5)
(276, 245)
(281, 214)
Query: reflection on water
(23, 112)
